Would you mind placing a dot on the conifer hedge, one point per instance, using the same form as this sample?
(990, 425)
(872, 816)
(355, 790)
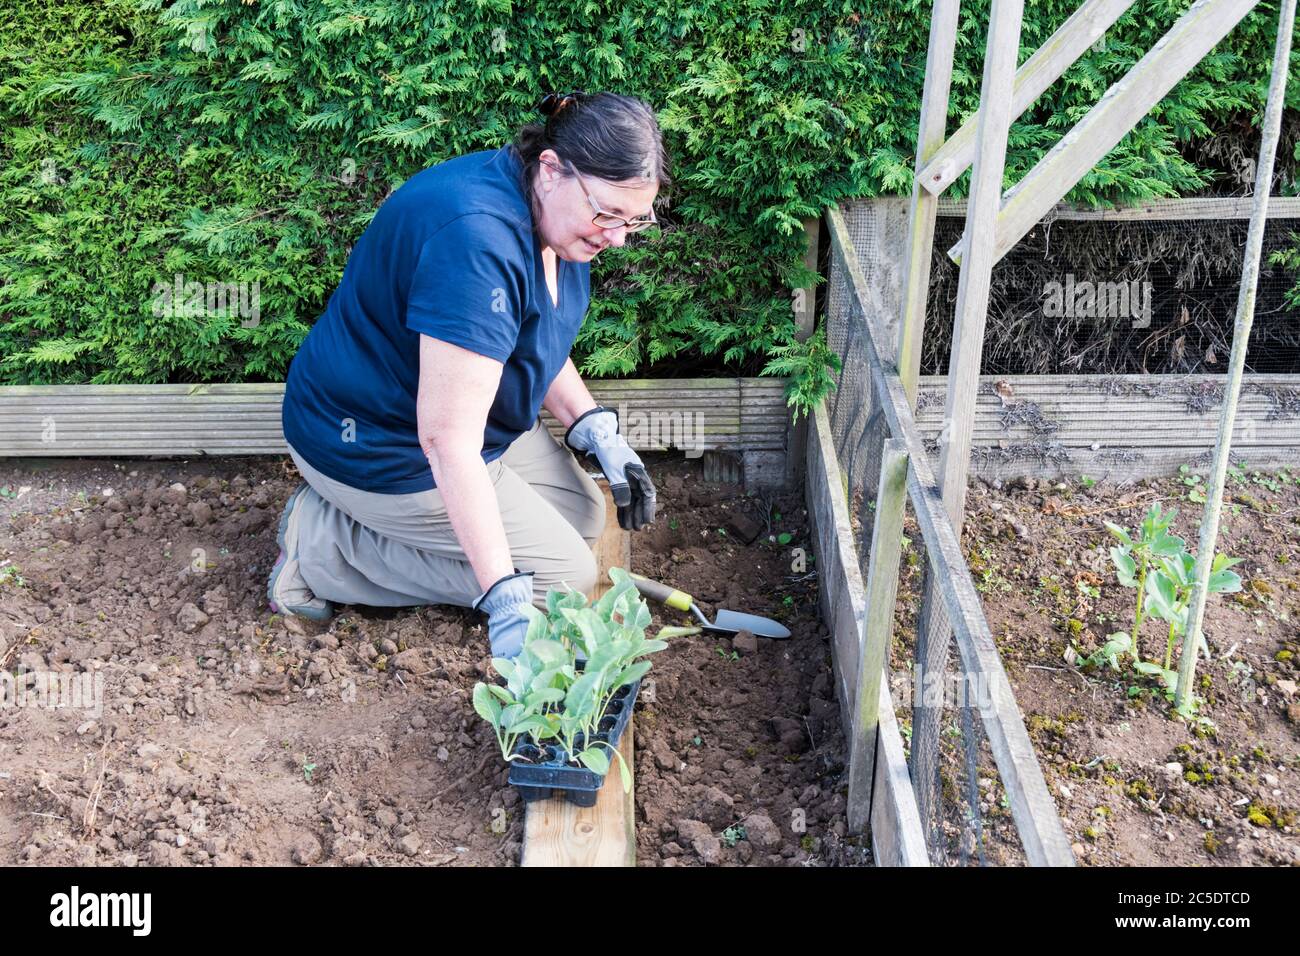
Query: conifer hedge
(252, 140)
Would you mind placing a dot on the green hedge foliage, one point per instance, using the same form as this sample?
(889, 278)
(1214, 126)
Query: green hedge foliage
(252, 140)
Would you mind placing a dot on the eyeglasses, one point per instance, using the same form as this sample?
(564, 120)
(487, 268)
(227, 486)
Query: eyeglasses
(607, 220)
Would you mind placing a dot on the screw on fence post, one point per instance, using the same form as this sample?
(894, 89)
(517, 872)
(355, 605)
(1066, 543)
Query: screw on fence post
(877, 628)
(1183, 696)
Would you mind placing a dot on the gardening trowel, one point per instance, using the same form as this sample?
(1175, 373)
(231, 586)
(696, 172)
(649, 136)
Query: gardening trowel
(728, 622)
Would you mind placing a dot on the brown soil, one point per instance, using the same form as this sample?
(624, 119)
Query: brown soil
(1134, 785)
(742, 744)
(232, 736)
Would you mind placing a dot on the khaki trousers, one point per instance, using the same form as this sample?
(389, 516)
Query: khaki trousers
(386, 550)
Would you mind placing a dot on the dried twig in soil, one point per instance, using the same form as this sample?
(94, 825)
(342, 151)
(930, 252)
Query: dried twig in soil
(464, 779)
(92, 799)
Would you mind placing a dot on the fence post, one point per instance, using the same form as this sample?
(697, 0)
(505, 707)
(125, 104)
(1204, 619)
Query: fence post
(805, 316)
(877, 628)
(934, 633)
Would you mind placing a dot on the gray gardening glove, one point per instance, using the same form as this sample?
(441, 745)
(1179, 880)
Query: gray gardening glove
(503, 604)
(596, 433)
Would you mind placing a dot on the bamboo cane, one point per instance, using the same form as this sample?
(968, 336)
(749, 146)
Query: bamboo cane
(1209, 533)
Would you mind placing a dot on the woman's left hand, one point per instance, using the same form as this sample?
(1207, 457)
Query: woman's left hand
(595, 433)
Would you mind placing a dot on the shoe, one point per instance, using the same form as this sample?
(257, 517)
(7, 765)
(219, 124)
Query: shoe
(286, 590)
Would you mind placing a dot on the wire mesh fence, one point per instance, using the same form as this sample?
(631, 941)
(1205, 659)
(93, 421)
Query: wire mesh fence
(1123, 297)
(1113, 299)
(971, 825)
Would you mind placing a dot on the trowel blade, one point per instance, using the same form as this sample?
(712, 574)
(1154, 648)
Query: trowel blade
(733, 621)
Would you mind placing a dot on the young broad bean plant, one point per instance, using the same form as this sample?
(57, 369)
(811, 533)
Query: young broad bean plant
(1159, 566)
(1135, 554)
(574, 659)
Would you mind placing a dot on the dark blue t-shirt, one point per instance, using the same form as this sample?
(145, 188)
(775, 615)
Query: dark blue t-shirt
(450, 254)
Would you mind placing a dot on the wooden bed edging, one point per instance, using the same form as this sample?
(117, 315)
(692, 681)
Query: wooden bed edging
(1116, 427)
(556, 833)
(897, 838)
(742, 418)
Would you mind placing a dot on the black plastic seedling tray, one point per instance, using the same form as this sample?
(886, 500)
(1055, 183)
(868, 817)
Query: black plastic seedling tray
(554, 777)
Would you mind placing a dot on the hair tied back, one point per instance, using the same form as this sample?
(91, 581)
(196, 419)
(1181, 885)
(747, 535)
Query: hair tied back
(553, 103)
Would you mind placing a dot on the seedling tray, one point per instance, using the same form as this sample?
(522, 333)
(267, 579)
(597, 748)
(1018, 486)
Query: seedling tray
(551, 776)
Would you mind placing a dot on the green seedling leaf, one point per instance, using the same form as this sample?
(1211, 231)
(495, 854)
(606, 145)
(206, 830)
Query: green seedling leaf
(1184, 568)
(594, 759)
(485, 706)
(582, 690)
(549, 652)
(1162, 596)
(1225, 582)
(1108, 654)
(525, 725)
(1222, 562)
(537, 623)
(1167, 545)
(505, 667)
(630, 674)
(511, 714)
(1125, 567)
(1120, 533)
(546, 695)
(1167, 678)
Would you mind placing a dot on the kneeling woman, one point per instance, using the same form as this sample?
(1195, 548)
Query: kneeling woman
(411, 409)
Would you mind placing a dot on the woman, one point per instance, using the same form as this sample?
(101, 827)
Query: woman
(411, 409)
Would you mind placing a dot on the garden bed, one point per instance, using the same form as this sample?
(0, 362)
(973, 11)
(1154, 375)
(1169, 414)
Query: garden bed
(1133, 785)
(232, 736)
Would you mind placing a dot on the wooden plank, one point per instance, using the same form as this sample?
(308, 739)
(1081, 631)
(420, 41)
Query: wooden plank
(1057, 54)
(896, 832)
(921, 214)
(1174, 55)
(1144, 431)
(1085, 383)
(231, 419)
(805, 317)
(878, 629)
(638, 388)
(1032, 806)
(1155, 210)
(973, 282)
(896, 835)
(556, 833)
(805, 299)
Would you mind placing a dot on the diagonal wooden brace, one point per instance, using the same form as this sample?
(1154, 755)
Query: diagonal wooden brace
(1174, 56)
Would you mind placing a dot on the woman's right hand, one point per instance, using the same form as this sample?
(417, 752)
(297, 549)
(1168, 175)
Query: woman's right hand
(504, 605)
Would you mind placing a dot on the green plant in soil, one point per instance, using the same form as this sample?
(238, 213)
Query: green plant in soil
(1136, 554)
(1195, 485)
(1159, 567)
(548, 697)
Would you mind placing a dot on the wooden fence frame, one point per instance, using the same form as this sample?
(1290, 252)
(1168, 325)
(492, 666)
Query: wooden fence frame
(880, 791)
(1032, 807)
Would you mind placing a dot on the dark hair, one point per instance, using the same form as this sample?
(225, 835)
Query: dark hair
(605, 135)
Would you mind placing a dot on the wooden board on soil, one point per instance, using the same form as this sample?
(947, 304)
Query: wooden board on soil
(557, 833)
